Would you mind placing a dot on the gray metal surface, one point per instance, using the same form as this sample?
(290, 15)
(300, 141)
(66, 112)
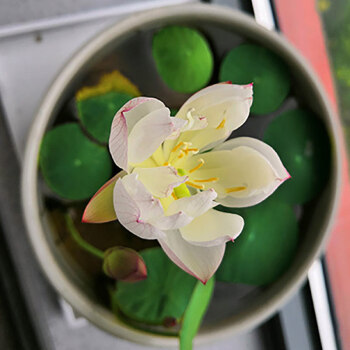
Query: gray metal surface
(26, 75)
(25, 16)
(19, 12)
(295, 322)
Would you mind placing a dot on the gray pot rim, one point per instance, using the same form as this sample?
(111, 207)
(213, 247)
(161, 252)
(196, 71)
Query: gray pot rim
(81, 303)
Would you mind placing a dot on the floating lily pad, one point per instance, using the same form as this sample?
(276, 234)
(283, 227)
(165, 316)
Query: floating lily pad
(96, 113)
(183, 58)
(248, 63)
(113, 81)
(73, 166)
(301, 141)
(265, 248)
(165, 293)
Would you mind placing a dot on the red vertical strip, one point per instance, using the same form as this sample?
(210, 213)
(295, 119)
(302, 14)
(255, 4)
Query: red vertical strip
(301, 25)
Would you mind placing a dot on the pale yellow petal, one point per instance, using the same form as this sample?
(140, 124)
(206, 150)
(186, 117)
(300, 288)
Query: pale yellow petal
(225, 108)
(194, 205)
(242, 176)
(160, 181)
(213, 228)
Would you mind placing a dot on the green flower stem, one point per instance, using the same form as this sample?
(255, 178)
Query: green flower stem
(80, 241)
(195, 312)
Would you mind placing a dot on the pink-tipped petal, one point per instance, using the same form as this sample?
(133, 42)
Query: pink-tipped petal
(100, 208)
(143, 214)
(225, 106)
(138, 108)
(123, 123)
(200, 262)
(217, 93)
(267, 152)
(135, 207)
(118, 141)
(149, 133)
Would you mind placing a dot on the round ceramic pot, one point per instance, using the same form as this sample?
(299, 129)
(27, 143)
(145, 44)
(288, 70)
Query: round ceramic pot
(230, 312)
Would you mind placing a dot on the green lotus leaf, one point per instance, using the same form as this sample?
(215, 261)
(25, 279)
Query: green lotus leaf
(249, 63)
(183, 58)
(96, 113)
(301, 141)
(164, 294)
(73, 166)
(265, 248)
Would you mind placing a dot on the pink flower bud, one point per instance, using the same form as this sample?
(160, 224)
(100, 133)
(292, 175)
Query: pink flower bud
(124, 264)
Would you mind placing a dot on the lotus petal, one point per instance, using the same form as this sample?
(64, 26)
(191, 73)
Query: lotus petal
(200, 262)
(160, 181)
(213, 228)
(139, 128)
(100, 207)
(195, 205)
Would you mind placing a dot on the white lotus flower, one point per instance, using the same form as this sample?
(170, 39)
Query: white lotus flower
(169, 186)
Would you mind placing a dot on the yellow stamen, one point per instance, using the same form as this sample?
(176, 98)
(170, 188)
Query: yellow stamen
(235, 189)
(196, 150)
(211, 179)
(200, 187)
(166, 164)
(222, 124)
(177, 146)
(174, 195)
(181, 155)
(197, 166)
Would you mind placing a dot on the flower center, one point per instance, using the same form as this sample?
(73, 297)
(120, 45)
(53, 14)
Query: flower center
(184, 148)
(181, 190)
(180, 151)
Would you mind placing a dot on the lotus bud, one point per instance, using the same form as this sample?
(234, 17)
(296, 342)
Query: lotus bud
(124, 264)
